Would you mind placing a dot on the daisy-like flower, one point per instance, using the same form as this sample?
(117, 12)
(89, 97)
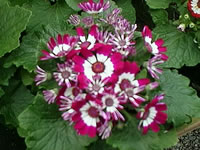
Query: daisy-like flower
(50, 96)
(194, 8)
(152, 115)
(74, 20)
(153, 47)
(70, 95)
(101, 62)
(152, 65)
(87, 116)
(105, 129)
(128, 86)
(111, 18)
(94, 8)
(59, 47)
(65, 74)
(90, 41)
(41, 75)
(112, 104)
(121, 42)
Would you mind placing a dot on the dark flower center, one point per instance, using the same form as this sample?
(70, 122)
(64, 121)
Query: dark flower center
(85, 45)
(122, 43)
(65, 74)
(129, 92)
(198, 3)
(98, 67)
(125, 84)
(75, 91)
(109, 102)
(93, 112)
(96, 87)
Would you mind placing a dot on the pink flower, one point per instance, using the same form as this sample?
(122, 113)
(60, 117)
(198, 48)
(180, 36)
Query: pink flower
(152, 115)
(59, 47)
(49, 96)
(88, 21)
(121, 42)
(65, 74)
(87, 116)
(151, 65)
(90, 41)
(128, 87)
(112, 104)
(153, 47)
(94, 8)
(41, 75)
(194, 8)
(101, 62)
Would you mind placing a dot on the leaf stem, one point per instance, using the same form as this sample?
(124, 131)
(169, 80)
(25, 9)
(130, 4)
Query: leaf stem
(128, 116)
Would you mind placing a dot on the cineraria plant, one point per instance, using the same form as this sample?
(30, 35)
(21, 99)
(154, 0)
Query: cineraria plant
(99, 74)
(96, 79)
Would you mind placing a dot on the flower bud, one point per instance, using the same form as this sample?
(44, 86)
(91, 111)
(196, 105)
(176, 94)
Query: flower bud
(191, 25)
(186, 16)
(181, 27)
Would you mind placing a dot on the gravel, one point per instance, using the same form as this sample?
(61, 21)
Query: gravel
(190, 141)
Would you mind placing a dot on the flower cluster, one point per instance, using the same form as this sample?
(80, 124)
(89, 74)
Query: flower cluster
(96, 80)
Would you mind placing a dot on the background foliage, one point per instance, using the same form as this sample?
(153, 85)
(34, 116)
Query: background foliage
(25, 27)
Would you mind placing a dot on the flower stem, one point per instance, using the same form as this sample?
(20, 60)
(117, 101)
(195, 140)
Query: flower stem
(128, 116)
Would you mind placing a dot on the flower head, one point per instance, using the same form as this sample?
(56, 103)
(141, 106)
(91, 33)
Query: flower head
(94, 8)
(152, 65)
(194, 8)
(152, 115)
(50, 96)
(153, 47)
(105, 129)
(87, 116)
(59, 47)
(88, 21)
(65, 74)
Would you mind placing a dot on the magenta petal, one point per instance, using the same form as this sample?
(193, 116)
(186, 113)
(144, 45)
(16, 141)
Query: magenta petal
(80, 31)
(146, 32)
(59, 39)
(92, 131)
(131, 67)
(154, 127)
(104, 49)
(86, 53)
(79, 125)
(66, 39)
(93, 30)
(161, 107)
(76, 117)
(143, 81)
(159, 42)
(145, 130)
(161, 117)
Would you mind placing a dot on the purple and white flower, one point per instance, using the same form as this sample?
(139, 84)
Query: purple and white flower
(94, 8)
(65, 74)
(50, 96)
(74, 20)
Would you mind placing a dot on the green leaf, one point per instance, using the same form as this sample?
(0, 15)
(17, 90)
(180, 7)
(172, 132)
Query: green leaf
(1, 92)
(128, 11)
(101, 145)
(27, 55)
(159, 16)
(155, 4)
(27, 78)
(129, 138)
(182, 100)
(15, 100)
(13, 22)
(46, 14)
(6, 74)
(180, 47)
(46, 129)
(74, 4)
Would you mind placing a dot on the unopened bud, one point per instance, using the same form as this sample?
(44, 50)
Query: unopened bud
(152, 85)
(186, 16)
(191, 25)
(74, 20)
